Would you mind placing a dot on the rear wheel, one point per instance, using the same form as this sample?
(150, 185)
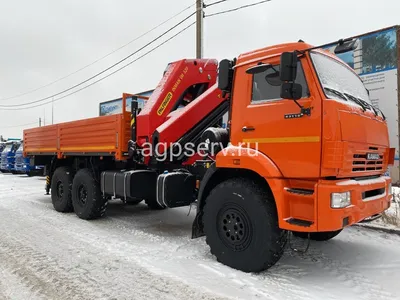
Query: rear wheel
(87, 200)
(61, 184)
(318, 236)
(241, 226)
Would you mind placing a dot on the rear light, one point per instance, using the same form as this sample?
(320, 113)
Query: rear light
(340, 200)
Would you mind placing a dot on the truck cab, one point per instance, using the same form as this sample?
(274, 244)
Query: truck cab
(318, 131)
(307, 148)
(7, 163)
(22, 164)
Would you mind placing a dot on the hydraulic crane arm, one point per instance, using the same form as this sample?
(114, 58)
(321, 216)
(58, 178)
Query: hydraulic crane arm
(187, 125)
(183, 82)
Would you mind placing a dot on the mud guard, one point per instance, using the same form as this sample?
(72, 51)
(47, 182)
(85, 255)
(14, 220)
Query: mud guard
(197, 227)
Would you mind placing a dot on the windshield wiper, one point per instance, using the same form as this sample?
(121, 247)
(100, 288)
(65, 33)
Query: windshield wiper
(364, 104)
(335, 92)
(358, 101)
(370, 105)
(376, 109)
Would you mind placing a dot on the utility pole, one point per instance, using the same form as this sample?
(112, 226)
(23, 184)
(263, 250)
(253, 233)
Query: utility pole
(199, 28)
(52, 111)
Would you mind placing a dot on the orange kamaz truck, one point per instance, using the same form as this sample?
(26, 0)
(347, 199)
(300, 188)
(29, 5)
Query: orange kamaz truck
(304, 151)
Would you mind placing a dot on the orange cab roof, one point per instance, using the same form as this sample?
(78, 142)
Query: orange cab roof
(271, 51)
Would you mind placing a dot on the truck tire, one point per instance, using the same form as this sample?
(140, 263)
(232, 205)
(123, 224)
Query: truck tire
(241, 226)
(61, 185)
(318, 236)
(87, 200)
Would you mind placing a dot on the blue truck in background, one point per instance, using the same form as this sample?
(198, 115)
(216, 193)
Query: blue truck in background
(22, 164)
(7, 160)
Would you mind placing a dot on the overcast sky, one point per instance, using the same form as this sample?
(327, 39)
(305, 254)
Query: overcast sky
(44, 40)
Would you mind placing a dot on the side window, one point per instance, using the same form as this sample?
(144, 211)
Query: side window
(267, 85)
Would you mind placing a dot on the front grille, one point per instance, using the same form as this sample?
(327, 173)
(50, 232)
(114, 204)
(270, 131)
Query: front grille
(19, 160)
(361, 163)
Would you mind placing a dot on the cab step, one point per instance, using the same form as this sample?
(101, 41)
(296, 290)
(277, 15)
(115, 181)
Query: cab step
(298, 222)
(300, 191)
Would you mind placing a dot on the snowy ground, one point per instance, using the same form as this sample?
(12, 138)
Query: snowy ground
(134, 253)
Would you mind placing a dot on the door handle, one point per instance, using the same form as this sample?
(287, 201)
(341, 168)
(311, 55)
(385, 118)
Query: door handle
(245, 128)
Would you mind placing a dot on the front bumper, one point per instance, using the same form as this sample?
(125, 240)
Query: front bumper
(368, 197)
(6, 167)
(21, 168)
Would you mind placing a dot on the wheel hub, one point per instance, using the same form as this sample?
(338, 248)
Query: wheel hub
(234, 228)
(60, 189)
(82, 194)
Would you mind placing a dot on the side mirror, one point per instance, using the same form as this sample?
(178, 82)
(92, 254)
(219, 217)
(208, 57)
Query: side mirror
(225, 75)
(258, 68)
(293, 91)
(288, 67)
(346, 46)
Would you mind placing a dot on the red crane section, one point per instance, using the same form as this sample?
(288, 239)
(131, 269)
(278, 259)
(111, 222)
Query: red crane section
(183, 81)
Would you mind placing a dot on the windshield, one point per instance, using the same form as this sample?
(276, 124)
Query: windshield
(21, 147)
(8, 148)
(339, 81)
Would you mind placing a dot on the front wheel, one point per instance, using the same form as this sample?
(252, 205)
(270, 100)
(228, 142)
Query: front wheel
(86, 196)
(318, 236)
(241, 226)
(61, 183)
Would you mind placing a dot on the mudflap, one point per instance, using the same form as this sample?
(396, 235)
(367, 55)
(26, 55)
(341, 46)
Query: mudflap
(197, 227)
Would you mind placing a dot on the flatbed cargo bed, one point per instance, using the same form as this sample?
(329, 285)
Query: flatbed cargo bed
(99, 136)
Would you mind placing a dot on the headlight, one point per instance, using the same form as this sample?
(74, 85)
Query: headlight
(390, 191)
(340, 200)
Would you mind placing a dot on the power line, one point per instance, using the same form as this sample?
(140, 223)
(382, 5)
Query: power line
(237, 8)
(105, 70)
(123, 67)
(214, 3)
(97, 60)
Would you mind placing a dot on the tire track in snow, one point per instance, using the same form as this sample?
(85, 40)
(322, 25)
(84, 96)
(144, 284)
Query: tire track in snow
(167, 259)
(86, 280)
(43, 275)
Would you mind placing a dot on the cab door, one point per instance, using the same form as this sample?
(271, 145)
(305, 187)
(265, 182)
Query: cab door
(264, 121)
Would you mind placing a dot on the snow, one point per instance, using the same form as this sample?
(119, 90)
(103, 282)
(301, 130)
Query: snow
(135, 253)
(339, 77)
(363, 182)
